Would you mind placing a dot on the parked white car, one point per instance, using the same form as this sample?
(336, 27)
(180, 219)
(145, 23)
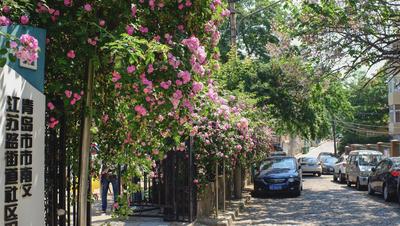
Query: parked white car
(340, 169)
(310, 165)
(359, 166)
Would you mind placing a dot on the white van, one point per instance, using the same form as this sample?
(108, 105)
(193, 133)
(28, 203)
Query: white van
(360, 163)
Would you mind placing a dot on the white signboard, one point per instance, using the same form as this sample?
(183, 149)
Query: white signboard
(22, 132)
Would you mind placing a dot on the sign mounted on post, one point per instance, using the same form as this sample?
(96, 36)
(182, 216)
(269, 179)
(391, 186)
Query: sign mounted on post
(22, 133)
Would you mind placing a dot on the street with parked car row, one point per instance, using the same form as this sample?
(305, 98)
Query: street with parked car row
(322, 202)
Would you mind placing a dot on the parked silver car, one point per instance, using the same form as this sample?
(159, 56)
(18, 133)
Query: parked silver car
(360, 163)
(310, 165)
(340, 169)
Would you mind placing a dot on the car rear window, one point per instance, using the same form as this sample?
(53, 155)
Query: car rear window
(309, 160)
(279, 163)
(396, 162)
(330, 160)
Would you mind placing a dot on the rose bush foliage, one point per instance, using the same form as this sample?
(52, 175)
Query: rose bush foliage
(154, 62)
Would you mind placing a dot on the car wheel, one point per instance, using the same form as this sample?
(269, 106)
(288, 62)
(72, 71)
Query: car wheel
(370, 189)
(348, 182)
(358, 185)
(334, 177)
(318, 174)
(386, 194)
(398, 196)
(297, 193)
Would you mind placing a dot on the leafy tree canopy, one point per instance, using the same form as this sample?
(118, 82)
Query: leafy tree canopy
(254, 28)
(343, 36)
(369, 119)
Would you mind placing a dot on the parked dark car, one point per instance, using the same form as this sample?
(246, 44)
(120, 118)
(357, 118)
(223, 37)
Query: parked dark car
(278, 175)
(277, 153)
(328, 165)
(384, 178)
(323, 155)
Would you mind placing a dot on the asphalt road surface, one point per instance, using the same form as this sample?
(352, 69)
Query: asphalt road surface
(322, 202)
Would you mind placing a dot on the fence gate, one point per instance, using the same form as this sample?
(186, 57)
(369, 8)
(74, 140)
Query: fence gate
(61, 182)
(180, 193)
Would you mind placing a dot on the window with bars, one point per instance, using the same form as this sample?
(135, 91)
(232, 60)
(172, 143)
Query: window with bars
(394, 113)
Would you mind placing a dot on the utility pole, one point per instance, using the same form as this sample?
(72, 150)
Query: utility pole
(233, 23)
(85, 149)
(237, 175)
(334, 136)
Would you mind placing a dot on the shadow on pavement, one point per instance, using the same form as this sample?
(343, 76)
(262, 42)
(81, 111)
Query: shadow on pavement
(341, 205)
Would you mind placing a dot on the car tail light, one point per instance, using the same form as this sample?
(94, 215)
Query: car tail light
(395, 173)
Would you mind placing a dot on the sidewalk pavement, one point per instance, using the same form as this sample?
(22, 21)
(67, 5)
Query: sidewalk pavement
(99, 219)
(233, 208)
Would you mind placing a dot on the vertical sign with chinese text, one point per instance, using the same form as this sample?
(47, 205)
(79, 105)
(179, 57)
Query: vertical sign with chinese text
(22, 133)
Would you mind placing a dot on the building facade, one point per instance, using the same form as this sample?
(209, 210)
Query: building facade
(394, 106)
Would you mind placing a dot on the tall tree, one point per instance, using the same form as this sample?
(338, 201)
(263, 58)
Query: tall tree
(343, 36)
(369, 120)
(254, 28)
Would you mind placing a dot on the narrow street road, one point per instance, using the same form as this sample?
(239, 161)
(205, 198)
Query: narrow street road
(322, 203)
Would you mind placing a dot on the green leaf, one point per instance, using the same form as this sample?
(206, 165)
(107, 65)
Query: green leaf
(3, 62)
(3, 51)
(12, 58)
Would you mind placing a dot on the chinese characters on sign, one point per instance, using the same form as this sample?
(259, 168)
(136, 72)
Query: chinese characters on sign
(18, 155)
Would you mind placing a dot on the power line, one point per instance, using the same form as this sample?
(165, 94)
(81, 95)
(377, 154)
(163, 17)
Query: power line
(363, 130)
(361, 124)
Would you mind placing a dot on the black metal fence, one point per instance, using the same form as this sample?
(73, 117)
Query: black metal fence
(180, 192)
(172, 193)
(61, 181)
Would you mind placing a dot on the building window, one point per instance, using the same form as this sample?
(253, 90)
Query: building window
(397, 112)
(391, 113)
(394, 113)
(394, 85)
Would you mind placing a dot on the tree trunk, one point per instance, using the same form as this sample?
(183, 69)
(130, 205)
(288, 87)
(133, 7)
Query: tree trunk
(238, 182)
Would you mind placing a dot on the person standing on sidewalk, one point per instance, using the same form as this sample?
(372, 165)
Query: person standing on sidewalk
(108, 174)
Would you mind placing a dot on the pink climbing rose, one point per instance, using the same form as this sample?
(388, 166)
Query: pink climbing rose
(150, 69)
(51, 106)
(28, 51)
(87, 7)
(105, 118)
(166, 85)
(185, 76)
(192, 43)
(129, 29)
(53, 122)
(71, 54)
(6, 9)
(197, 87)
(131, 69)
(115, 76)
(68, 93)
(141, 110)
(24, 19)
(68, 3)
(102, 23)
(133, 11)
(177, 95)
